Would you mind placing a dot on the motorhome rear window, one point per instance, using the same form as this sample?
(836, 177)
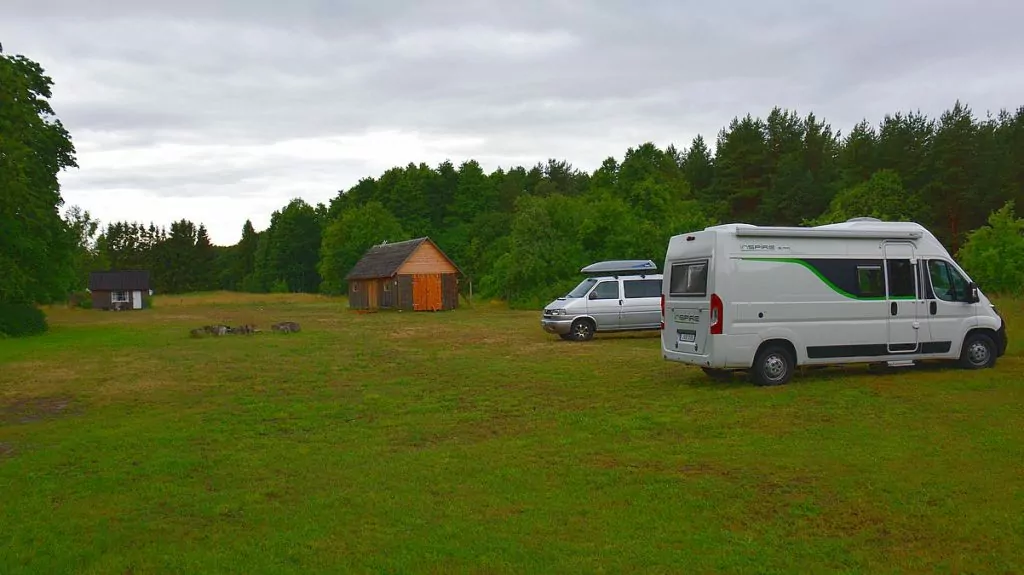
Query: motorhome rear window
(689, 279)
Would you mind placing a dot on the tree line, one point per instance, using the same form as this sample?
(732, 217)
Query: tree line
(522, 233)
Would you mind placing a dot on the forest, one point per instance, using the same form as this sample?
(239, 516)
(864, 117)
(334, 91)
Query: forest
(521, 234)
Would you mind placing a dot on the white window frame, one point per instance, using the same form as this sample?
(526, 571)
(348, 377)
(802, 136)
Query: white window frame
(127, 296)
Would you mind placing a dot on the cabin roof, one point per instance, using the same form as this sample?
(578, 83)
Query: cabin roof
(119, 280)
(384, 260)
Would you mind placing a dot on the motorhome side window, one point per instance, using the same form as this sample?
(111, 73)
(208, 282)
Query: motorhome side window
(870, 281)
(641, 288)
(689, 279)
(947, 283)
(606, 290)
(901, 278)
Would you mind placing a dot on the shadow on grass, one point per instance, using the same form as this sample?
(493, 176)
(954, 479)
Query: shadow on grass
(811, 374)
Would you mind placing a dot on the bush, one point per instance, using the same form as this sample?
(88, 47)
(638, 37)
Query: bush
(994, 254)
(82, 299)
(21, 319)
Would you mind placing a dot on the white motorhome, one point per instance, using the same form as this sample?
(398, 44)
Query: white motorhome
(765, 300)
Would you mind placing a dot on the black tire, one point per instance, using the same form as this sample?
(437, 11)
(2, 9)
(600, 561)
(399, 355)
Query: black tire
(978, 352)
(717, 374)
(582, 330)
(774, 365)
(566, 336)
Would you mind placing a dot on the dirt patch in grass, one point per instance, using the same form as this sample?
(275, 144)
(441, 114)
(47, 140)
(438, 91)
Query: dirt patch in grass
(28, 370)
(32, 409)
(6, 450)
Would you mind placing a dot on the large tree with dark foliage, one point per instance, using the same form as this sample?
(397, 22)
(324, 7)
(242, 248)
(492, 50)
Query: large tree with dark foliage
(37, 247)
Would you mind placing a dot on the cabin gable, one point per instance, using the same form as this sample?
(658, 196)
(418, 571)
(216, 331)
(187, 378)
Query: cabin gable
(427, 259)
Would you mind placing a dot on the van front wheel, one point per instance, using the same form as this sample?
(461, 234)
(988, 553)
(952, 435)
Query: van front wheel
(773, 366)
(582, 330)
(979, 352)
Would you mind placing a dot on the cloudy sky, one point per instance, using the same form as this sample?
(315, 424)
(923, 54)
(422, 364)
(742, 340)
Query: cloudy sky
(223, 110)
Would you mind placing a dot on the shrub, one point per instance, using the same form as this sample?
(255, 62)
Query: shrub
(994, 254)
(21, 319)
(82, 299)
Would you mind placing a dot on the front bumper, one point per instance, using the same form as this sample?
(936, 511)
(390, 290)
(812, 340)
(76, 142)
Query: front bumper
(1001, 339)
(556, 325)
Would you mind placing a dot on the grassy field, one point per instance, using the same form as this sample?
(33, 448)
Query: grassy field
(470, 441)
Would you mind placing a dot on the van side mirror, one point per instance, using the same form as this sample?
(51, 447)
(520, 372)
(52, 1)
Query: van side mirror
(972, 293)
(593, 295)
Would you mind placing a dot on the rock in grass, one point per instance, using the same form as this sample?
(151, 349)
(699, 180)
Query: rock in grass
(285, 327)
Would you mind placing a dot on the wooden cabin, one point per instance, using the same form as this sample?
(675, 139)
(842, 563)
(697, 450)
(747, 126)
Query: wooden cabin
(413, 275)
(119, 290)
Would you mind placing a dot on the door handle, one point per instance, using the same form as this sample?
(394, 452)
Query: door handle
(894, 308)
(933, 308)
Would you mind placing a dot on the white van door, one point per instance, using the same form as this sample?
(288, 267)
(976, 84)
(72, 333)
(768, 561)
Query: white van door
(947, 310)
(901, 297)
(604, 303)
(687, 307)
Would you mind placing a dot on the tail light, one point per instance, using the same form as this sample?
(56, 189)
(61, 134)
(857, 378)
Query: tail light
(717, 311)
(662, 311)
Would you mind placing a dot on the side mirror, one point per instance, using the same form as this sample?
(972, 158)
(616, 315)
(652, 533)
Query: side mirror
(972, 293)
(593, 295)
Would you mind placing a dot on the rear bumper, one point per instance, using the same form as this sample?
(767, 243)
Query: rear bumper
(688, 358)
(556, 326)
(1001, 340)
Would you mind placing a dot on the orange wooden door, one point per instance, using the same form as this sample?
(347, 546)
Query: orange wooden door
(426, 292)
(372, 296)
(435, 300)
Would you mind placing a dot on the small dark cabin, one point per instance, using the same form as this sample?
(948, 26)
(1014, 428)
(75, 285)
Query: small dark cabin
(119, 289)
(412, 275)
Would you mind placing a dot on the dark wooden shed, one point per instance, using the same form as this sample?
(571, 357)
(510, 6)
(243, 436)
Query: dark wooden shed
(119, 289)
(410, 275)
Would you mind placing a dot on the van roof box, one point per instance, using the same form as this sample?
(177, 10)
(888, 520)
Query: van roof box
(620, 266)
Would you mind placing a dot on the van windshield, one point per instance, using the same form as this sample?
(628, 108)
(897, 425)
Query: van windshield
(582, 289)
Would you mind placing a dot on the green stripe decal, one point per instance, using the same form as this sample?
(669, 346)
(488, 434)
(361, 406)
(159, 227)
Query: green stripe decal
(825, 280)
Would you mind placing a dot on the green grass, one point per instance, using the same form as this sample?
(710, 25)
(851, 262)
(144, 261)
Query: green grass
(470, 441)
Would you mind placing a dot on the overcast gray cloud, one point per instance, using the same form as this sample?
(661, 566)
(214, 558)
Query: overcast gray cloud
(221, 111)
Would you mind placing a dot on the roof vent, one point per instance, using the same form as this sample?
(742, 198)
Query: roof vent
(864, 219)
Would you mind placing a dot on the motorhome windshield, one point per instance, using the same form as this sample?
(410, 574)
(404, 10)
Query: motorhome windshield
(582, 289)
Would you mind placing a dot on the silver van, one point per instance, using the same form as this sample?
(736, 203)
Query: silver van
(619, 295)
